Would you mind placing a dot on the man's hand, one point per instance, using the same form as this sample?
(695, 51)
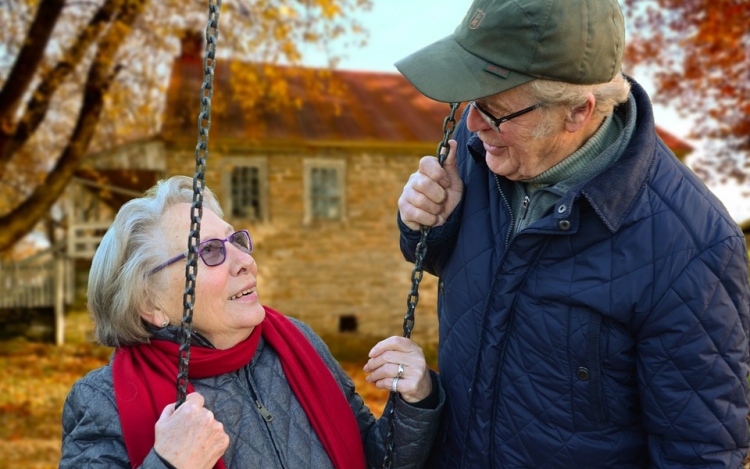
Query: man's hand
(432, 193)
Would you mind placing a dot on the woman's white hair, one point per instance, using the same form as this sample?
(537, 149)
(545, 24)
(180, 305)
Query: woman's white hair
(558, 95)
(120, 286)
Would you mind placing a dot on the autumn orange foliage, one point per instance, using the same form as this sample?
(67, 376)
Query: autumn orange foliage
(82, 76)
(700, 54)
(37, 378)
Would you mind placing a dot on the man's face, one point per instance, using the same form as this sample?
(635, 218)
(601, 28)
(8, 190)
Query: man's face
(515, 152)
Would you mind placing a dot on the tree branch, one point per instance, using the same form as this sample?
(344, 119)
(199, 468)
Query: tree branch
(38, 104)
(28, 60)
(23, 218)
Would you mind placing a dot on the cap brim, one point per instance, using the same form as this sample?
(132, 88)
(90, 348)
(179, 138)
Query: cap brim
(446, 72)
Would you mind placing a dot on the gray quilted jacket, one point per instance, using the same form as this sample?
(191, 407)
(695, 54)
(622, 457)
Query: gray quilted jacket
(92, 436)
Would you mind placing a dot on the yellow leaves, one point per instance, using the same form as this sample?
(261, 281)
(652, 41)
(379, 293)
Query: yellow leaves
(37, 378)
(290, 50)
(285, 10)
(329, 8)
(374, 398)
(310, 36)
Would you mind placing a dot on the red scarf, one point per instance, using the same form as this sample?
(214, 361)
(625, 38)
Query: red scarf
(145, 377)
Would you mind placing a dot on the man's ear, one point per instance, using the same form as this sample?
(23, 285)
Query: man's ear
(581, 115)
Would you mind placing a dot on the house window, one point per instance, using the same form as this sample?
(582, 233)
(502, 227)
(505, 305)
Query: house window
(324, 189)
(245, 187)
(347, 324)
(245, 192)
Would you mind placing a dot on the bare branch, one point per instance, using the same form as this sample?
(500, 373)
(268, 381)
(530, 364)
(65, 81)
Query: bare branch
(28, 61)
(23, 219)
(38, 105)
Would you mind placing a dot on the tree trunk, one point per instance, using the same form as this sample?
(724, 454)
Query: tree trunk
(13, 135)
(27, 61)
(23, 218)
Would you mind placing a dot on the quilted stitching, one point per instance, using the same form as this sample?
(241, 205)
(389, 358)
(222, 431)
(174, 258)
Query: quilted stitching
(668, 280)
(92, 435)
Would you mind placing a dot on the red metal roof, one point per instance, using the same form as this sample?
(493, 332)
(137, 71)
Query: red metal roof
(366, 108)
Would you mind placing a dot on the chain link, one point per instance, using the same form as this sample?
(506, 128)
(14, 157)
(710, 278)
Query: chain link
(449, 125)
(201, 154)
(191, 269)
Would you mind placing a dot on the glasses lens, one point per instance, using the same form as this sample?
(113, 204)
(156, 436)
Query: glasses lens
(212, 252)
(241, 240)
(487, 118)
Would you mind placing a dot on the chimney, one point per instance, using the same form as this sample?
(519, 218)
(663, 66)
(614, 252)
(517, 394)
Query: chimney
(193, 46)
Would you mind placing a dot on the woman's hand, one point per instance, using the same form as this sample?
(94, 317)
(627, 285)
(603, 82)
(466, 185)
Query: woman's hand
(415, 382)
(190, 437)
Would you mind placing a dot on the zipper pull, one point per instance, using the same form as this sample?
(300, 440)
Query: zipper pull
(522, 216)
(264, 412)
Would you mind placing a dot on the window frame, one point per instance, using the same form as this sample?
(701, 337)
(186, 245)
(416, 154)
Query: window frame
(339, 165)
(229, 164)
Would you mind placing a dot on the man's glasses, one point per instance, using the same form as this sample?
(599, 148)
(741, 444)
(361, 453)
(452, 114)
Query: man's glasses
(493, 121)
(213, 251)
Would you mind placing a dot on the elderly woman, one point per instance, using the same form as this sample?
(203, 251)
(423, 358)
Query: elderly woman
(265, 391)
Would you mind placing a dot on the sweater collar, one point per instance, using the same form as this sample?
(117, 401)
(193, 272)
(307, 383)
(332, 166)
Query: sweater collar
(613, 192)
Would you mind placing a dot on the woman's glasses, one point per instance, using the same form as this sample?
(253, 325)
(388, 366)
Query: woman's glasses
(214, 251)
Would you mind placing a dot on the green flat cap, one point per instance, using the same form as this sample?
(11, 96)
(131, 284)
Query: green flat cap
(501, 44)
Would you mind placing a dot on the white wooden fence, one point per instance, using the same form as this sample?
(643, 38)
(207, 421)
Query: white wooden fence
(28, 284)
(42, 280)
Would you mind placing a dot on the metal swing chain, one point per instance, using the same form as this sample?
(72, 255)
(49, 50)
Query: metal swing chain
(201, 153)
(449, 124)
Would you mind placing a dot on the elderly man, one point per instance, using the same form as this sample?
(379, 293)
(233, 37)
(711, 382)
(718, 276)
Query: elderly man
(593, 294)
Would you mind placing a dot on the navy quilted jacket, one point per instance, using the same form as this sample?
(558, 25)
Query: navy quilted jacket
(611, 333)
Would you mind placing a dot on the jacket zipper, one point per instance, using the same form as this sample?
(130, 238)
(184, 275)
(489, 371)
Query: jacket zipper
(265, 414)
(263, 411)
(524, 210)
(510, 211)
(510, 318)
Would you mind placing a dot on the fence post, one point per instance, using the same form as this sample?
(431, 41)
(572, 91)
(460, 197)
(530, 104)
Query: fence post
(59, 300)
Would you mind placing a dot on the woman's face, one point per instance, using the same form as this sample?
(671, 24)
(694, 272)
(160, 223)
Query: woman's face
(226, 307)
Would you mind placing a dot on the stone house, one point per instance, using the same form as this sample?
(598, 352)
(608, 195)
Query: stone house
(316, 184)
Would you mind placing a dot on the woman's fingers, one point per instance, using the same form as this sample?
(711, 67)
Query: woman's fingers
(399, 357)
(190, 436)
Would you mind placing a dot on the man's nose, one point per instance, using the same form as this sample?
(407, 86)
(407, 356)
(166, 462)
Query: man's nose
(475, 122)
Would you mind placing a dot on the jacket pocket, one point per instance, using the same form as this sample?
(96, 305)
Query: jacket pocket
(441, 292)
(593, 371)
(603, 373)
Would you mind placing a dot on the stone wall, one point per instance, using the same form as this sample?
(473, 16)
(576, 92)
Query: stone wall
(332, 273)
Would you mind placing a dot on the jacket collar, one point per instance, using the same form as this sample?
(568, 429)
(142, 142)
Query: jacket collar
(613, 192)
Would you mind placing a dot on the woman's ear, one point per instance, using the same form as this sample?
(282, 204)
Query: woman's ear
(155, 316)
(581, 115)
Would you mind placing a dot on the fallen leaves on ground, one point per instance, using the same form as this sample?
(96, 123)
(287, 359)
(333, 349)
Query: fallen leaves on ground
(37, 378)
